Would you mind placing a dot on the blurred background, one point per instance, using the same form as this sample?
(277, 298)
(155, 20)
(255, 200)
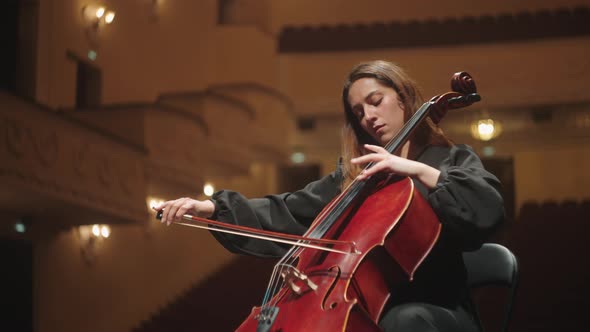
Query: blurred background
(107, 107)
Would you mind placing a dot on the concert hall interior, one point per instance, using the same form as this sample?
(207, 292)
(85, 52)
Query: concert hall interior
(109, 107)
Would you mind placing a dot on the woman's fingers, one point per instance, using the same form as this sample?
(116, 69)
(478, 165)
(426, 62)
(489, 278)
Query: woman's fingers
(178, 210)
(379, 154)
(183, 208)
(165, 208)
(174, 210)
(161, 208)
(376, 168)
(371, 157)
(169, 210)
(383, 161)
(376, 148)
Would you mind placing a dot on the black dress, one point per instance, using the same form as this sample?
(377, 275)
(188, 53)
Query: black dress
(466, 200)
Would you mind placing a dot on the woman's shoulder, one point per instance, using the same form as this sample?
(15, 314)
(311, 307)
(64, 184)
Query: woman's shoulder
(434, 155)
(454, 148)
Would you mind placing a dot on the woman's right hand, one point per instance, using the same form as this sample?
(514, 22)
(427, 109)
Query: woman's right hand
(174, 210)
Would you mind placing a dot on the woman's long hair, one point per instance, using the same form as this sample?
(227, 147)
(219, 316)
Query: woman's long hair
(353, 135)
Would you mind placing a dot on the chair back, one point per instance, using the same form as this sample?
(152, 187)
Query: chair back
(493, 265)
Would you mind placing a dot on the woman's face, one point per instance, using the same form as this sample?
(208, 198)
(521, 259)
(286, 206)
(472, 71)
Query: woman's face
(377, 108)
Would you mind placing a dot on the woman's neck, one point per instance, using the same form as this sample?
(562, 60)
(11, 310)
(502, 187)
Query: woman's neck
(405, 150)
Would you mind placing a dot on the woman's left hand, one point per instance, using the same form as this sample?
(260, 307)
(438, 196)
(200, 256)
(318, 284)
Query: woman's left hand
(384, 161)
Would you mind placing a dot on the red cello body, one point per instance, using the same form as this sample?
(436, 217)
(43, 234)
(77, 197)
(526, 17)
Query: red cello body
(398, 230)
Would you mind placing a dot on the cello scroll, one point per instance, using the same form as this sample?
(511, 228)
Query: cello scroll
(464, 94)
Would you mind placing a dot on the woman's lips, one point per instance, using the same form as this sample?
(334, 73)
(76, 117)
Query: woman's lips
(379, 129)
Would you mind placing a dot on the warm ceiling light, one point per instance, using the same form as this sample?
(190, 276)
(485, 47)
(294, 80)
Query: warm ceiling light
(485, 129)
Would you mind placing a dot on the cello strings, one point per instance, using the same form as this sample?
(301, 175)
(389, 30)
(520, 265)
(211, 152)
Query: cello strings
(274, 284)
(335, 210)
(356, 186)
(275, 281)
(288, 260)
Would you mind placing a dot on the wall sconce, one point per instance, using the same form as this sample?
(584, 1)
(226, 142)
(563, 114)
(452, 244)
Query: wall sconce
(485, 129)
(91, 238)
(95, 16)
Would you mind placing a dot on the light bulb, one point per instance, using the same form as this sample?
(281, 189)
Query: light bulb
(100, 12)
(109, 17)
(96, 230)
(105, 231)
(208, 189)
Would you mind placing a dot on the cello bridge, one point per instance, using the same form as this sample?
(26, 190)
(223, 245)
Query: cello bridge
(291, 275)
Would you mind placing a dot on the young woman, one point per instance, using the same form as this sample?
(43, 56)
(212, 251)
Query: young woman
(378, 99)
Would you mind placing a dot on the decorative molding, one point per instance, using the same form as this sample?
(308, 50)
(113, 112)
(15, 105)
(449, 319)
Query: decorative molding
(523, 26)
(47, 157)
(181, 112)
(200, 95)
(46, 147)
(14, 137)
(91, 200)
(64, 114)
(157, 106)
(80, 160)
(104, 171)
(251, 86)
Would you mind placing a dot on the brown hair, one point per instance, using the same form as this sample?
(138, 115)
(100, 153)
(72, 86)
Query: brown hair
(354, 137)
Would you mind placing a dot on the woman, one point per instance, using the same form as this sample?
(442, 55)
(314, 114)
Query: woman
(378, 99)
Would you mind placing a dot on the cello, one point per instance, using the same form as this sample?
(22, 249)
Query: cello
(375, 234)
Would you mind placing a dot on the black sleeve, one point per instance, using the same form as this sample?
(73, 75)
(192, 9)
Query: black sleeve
(466, 199)
(289, 213)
